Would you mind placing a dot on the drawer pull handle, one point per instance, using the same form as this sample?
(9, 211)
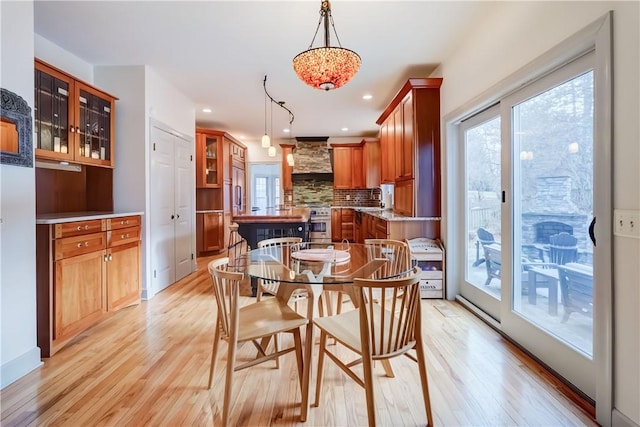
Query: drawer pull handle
(124, 236)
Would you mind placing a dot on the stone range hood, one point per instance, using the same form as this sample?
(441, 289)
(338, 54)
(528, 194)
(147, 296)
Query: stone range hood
(313, 159)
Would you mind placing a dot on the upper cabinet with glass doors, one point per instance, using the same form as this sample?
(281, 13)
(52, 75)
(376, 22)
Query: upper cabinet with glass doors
(208, 159)
(74, 122)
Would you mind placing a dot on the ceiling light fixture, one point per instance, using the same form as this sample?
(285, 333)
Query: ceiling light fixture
(326, 67)
(266, 141)
(206, 110)
(271, 149)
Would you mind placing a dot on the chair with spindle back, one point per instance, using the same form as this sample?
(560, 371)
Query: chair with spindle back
(377, 331)
(257, 322)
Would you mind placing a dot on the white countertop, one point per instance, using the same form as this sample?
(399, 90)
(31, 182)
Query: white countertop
(202, 211)
(387, 214)
(59, 218)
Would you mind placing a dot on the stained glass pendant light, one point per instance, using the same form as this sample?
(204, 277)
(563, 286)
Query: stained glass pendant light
(326, 67)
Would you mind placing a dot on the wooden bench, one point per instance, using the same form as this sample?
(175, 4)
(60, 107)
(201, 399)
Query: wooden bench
(576, 286)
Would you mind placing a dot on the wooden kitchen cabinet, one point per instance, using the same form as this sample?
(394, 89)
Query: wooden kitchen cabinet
(222, 194)
(410, 147)
(348, 166)
(210, 231)
(336, 224)
(342, 224)
(73, 121)
(403, 198)
(371, 163)
(341, 168)
(85, 270)
(124, 262)
(209, 162)
(387, 158)
(79, 296)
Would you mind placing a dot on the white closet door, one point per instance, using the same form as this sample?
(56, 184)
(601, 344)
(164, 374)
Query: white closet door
(184, 188)
(162, 211)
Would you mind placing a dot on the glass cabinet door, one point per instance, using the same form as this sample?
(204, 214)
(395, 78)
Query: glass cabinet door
(212, 169)
(53, 117)
(94, 127)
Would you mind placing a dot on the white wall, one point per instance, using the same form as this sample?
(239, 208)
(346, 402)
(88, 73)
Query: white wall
(19, 353)
(64, 60)
(518, 33)
(143, 95)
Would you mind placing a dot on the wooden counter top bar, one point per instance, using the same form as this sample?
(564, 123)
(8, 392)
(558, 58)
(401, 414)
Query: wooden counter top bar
(274, 216)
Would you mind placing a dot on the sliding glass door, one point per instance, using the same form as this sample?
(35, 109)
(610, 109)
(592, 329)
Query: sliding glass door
(482, 151)
(528, 207)
(548, 173)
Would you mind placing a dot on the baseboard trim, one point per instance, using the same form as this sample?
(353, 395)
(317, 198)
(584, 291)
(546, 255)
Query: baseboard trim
(619, 419)
(19, 367)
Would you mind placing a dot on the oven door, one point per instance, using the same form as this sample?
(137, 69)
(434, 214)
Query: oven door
(320, 230)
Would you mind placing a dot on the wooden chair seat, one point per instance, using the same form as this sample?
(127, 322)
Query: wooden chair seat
(266, 318)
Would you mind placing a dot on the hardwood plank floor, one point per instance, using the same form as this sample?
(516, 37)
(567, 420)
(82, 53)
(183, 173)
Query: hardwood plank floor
(149, 365)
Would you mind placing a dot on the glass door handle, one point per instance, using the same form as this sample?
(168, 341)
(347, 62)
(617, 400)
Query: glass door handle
(591, 230)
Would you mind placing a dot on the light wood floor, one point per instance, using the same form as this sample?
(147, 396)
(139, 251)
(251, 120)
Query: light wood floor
(149, 364)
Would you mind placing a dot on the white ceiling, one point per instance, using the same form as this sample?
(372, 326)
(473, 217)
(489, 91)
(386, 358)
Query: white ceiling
(218, 52)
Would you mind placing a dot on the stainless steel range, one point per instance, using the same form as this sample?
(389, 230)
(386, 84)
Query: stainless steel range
(320, 224)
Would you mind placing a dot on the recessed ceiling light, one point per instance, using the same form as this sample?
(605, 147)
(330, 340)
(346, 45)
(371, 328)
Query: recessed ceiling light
(344, 129)
(206, 110)
(286, 130)
(367, 97)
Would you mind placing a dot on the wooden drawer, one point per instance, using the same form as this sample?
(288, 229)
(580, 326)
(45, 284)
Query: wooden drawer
(123, 236)
(123, 222)
(77, 245)
(79, 227)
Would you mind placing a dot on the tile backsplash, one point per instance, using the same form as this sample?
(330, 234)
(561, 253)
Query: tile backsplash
(322, 193)
(369, 197)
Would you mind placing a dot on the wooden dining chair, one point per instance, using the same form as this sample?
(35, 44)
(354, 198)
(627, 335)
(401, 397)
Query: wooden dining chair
(277, 247)
(257, 322)
(377, 331)
(396, 252)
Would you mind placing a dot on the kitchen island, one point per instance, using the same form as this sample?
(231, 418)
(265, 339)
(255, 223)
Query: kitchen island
(269, 223)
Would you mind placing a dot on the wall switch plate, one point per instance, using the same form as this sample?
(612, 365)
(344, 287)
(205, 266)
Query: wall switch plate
(626, 223)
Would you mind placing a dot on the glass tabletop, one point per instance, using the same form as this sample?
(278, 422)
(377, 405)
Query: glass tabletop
(319, 263)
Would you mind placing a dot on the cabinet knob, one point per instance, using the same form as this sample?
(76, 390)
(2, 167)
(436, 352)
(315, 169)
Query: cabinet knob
(79, 227)
(86, 227)
(86, 244)
(71, 129)
(105, 258)
(110, 257)
(173, 216)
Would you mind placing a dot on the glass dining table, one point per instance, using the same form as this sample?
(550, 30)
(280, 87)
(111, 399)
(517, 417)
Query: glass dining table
(316, 267)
